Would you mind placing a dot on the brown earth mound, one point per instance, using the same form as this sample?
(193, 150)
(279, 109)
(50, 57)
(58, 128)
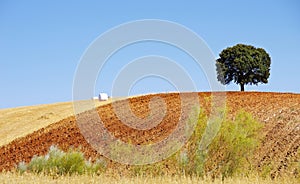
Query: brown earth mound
(280, 114)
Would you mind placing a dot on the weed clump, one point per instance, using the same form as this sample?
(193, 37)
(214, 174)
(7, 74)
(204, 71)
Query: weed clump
(58, 162)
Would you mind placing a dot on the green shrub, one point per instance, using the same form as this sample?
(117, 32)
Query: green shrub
(230, 149)
(57, 162)
(191, 160)
(37, 164)
(99, 166)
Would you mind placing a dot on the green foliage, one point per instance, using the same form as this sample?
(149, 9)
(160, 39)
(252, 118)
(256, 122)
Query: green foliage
(228, 153)
(191, 160)
(234, 145)
(243, 64)
(57, 162)
(266, 170)
(37, 164)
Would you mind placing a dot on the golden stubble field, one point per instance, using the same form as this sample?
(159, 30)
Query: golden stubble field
(111, 178)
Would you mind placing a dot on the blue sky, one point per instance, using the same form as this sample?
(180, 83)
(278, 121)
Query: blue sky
(41, 42)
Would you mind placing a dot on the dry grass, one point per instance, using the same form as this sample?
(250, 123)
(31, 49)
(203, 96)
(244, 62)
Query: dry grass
(114, 179)
(18, 122)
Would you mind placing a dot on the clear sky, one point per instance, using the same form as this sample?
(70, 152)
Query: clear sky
(41, 42)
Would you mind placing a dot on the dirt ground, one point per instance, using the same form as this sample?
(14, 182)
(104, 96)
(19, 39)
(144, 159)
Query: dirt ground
(18, 122)
(278, 112)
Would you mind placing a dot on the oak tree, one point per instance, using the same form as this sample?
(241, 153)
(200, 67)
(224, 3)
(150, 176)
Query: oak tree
(243, 64)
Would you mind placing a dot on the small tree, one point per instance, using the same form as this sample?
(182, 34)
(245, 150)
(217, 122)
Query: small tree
(243, 64)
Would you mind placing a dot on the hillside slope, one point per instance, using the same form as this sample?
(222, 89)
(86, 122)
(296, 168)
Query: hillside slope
(278, 112)
(18, 122)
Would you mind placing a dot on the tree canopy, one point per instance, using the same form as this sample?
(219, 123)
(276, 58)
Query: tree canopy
(243, 64)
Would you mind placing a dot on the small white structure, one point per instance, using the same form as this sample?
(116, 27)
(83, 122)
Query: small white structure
(103, 97)
(95, 98)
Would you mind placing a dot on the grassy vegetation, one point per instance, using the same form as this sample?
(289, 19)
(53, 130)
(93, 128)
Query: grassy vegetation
(57, 162)
(111, 178)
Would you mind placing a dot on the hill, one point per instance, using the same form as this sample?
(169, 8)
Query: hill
(278, 112)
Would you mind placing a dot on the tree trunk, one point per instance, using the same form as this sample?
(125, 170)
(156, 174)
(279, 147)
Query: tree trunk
(242, 87)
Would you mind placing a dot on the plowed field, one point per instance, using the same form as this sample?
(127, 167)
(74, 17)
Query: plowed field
(278, 112)
(18, 122)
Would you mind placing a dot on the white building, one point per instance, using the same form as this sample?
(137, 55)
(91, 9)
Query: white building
(103, 97)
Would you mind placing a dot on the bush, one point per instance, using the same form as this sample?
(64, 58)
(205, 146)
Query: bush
(229, 152)
(234, 146)
(57, 162)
